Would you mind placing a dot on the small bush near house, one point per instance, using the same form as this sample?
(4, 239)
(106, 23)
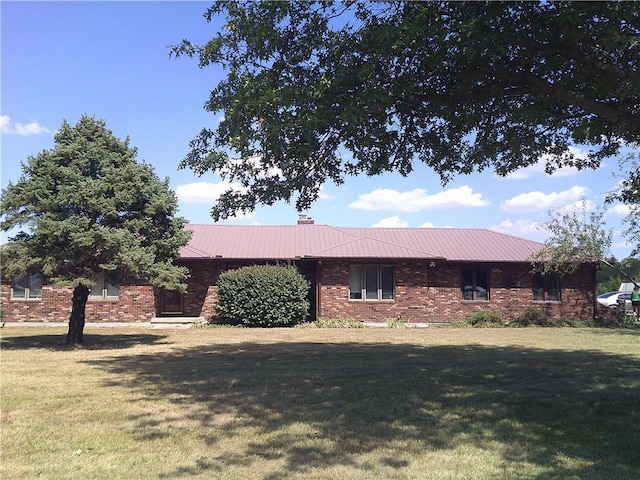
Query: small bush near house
(531, 317)
(485, 318)
(396, 323)
(334, 323)
(263, 296)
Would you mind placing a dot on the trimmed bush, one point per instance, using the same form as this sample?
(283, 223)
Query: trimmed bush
(263, 296)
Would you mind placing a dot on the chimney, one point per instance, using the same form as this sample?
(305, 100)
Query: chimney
(305, 220)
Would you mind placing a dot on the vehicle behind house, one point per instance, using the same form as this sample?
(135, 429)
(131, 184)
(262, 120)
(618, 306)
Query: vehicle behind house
(624, 302)
(609, 299)
(620, 299)
(626, 287)
(624, 299)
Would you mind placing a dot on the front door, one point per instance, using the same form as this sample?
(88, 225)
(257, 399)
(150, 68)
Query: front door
(171, 302)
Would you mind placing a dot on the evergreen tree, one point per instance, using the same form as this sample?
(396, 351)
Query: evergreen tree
(91, 208)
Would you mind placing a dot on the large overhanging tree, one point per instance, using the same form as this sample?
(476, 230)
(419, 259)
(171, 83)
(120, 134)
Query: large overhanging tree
(92, 209)
(628, 193)
(319, 91)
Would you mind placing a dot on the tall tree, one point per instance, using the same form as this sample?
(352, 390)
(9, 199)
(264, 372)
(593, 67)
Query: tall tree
(91, 208)
(459, 86)
(628, 193)
(577, 237)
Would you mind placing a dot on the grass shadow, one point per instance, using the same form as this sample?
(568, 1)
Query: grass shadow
(533, 406)
(56, 342)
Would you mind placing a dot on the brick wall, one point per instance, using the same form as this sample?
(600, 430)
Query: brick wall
(424, 292)
(201, 296)
(430, 292)
(136, 303)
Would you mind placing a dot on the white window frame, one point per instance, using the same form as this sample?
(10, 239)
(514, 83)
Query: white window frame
(362, 275)
(102, 289)
(30, 293)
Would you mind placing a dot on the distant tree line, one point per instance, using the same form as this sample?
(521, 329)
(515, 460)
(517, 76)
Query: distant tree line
(609, 278)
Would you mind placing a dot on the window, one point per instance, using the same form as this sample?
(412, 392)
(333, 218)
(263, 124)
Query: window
(371, 282)
(27, 286)
(475, 284)
(104, 288)
(546, 288)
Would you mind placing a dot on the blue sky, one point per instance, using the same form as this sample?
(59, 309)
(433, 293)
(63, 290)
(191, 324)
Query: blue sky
(110, 60)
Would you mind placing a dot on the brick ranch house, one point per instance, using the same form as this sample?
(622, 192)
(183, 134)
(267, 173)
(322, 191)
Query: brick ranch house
(369, 274)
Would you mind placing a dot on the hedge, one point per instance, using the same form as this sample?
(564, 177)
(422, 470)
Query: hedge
(263, 296)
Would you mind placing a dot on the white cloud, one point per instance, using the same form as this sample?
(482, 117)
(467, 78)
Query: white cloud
(578, 206)
(202, 192)
(519, 227)
(538, 168)
(537, 201)
(391, 222)
(207, 192)
(418, 199)
(426, 225)
(619, 210)
(623, 247)
(10, 128)
(323, 195)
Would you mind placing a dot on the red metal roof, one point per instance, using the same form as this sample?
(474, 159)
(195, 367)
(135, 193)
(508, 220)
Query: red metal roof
(270, 242)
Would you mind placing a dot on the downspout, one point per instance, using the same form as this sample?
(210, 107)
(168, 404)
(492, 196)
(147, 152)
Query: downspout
(318, 289)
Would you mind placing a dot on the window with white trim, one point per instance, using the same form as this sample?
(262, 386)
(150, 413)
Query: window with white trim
(371, 282)
(546, 288)
(104, 288)
(27, 287)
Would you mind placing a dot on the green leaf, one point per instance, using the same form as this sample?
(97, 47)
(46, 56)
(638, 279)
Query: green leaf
(458, 86)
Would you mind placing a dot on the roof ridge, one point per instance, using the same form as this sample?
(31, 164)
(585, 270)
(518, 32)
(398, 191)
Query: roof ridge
(358, 237)
(338, 229)
(404, 247)
(510, 236)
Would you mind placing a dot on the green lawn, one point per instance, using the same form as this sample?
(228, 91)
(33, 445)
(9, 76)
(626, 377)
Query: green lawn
(435, 403)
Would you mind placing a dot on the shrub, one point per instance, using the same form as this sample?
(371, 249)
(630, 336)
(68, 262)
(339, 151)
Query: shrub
(396, 323)
(531, 316)
(485, 318)
(334, 323)
(263, 296)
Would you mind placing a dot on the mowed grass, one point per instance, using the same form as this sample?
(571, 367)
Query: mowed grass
(273, 404)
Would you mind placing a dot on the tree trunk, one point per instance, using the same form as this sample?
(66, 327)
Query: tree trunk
(76, 319)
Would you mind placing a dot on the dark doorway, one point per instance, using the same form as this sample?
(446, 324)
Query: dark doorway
(308, 269)
(171, 302)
